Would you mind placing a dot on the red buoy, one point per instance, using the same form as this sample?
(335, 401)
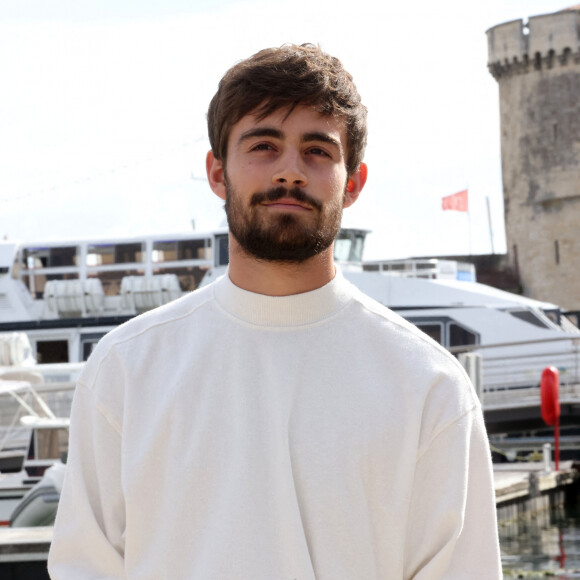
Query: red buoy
(550, 397)
(549, 392)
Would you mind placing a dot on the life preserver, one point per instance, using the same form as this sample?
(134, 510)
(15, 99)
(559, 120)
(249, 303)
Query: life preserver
(550, 396)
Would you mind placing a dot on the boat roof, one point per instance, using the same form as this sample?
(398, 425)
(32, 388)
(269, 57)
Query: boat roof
(400, 292)
(58, 243)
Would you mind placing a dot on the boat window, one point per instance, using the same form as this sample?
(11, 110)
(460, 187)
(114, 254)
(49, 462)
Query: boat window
(572, 317)
(528, 316)
(88, 344)
(553, 315)
(105, 254)
(434, 330)
(52, 443)
(49, 257)
(222, 255)
(460, 336)
(466, 272)
(52, 351)
(173, 250)
(358, 247)
(164, 251)
(349, 245)
(342, 249)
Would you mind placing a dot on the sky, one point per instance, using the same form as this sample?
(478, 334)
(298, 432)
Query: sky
(102, 113)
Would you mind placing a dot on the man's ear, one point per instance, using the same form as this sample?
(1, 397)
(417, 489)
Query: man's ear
(215, 175)
(355, 184)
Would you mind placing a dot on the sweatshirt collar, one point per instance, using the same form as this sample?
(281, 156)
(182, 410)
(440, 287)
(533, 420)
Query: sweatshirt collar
(295, 310)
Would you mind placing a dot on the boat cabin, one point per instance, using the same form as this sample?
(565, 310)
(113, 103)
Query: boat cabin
(67, 295)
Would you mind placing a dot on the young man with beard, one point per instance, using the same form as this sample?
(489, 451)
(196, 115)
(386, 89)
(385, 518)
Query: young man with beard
(277, 424)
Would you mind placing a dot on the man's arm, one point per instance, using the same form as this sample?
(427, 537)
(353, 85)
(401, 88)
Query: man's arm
(452, 533)
(88, 541)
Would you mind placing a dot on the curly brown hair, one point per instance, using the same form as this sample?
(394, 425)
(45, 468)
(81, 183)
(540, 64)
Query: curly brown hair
(286, 77)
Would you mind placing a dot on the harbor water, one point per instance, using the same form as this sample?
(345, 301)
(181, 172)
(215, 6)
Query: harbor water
(545, 546)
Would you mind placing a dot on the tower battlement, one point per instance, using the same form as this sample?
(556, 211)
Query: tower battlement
(544, 41)
(537, 66)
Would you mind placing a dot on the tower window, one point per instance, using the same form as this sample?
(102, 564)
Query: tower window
(557, 251)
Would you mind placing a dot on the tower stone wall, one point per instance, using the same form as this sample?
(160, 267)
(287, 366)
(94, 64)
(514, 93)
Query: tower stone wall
(537, 67)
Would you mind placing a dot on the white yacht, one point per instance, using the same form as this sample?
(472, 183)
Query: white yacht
(65, 296)
(32, 441)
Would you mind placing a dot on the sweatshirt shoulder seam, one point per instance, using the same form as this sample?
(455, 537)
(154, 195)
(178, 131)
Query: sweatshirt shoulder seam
(445, 427)
(101, 409)
(404, 325)
(149, 327)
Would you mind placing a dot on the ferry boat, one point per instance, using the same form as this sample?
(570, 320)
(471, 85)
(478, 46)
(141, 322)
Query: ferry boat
(66, 295)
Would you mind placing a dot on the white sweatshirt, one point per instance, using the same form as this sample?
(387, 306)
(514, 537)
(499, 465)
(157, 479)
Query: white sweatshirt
(236, 436)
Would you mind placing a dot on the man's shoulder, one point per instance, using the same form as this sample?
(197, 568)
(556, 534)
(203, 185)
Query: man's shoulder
(391, 322)
(428, 370)
(159, 319)
(402, 339)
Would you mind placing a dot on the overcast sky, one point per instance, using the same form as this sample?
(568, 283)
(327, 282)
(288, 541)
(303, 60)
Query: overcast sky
(102, 113)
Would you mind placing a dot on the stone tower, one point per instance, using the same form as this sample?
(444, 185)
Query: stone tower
(537, 67)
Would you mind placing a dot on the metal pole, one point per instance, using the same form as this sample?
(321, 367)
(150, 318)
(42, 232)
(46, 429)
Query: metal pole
(557, 443)
(489, 222)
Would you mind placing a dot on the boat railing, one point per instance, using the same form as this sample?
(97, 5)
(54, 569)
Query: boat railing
(44, 378)
(511, 371)
(527, 397)
(430, 268)
(37, 390)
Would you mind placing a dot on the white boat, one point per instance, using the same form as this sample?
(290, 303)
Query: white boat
(38, 506)
(66, 296)
(40, 441)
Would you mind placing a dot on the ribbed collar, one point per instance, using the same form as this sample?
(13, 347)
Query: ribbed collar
(294, 310)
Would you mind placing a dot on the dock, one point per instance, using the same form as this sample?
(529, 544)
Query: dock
(527, 489)
(23, 552)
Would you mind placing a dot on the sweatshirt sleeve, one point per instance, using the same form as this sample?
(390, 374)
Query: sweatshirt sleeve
(452, 531)
(88, 539)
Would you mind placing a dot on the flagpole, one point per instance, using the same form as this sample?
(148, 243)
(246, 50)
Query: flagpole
(489, 223)
(469, 220)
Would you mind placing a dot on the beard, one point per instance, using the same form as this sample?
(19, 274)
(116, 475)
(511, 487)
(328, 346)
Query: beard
(285, 237)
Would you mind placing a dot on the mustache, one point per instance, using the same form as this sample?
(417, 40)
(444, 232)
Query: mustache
(280, 192)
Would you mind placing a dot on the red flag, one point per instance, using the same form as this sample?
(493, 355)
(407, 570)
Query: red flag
(457, 201)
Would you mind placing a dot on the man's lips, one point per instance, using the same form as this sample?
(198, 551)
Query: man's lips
(282, 198)
(287, 203)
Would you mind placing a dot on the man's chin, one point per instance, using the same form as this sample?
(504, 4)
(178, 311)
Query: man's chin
(283, 247)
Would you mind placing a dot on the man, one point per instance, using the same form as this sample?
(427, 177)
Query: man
(277, 424)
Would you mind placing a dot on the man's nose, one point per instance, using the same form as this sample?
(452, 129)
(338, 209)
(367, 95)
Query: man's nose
(290, 171)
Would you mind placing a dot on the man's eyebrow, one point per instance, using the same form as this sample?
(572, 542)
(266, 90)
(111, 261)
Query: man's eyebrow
(261, 132)
(323, 137)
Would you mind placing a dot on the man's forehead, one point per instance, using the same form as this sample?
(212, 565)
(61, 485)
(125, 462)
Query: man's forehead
(302, 119)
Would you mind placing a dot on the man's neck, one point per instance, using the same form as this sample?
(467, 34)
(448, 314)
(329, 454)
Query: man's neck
(279, 278)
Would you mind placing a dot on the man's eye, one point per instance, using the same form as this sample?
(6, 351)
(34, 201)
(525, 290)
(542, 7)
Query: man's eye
(317, 151)
(262, 147)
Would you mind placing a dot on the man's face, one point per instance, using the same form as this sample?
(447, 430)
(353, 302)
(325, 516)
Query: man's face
(285, 184)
